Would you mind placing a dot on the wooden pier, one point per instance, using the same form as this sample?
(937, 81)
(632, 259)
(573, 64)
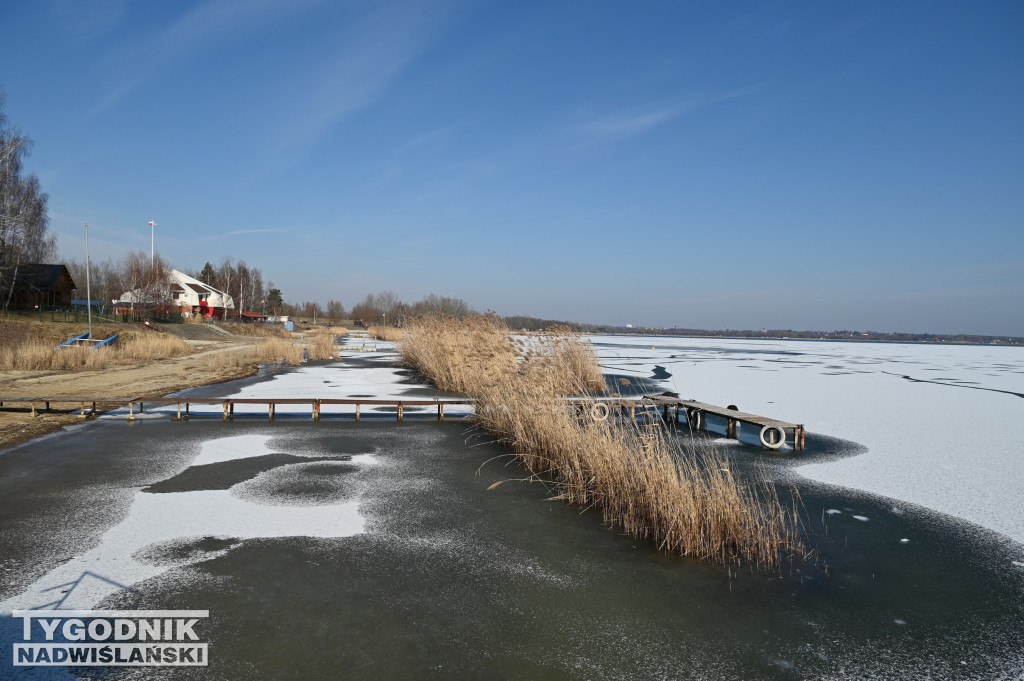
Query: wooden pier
(772, 433)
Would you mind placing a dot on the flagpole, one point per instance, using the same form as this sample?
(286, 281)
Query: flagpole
(152, 242)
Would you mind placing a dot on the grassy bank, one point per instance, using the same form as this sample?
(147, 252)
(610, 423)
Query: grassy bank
(23, 350)
(385, 333)
(688, 501)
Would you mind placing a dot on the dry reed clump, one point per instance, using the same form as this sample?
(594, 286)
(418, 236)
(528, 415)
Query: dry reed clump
(294, 352)
(322, 347)
(386, 333)
(687, 501)
(133, 345)
(278, 350)
(219, 362)
(255, 329)
(335, 330)
(40, 354)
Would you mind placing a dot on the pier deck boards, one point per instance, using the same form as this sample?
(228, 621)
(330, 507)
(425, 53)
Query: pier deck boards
(773, 433)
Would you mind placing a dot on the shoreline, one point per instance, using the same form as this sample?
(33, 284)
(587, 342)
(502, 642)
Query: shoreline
(158, 378)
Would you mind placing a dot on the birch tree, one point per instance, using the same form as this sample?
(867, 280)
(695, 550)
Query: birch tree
(24, 222)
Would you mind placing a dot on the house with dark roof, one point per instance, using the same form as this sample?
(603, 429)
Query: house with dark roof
(44, 286)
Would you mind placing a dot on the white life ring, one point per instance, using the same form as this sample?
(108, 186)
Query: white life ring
(781, 440)
(599, 412)
(695, 417)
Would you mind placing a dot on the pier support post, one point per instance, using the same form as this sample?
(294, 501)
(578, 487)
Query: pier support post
(225, 410)
(440, 412)
(401, 413)
(357, 410)
(179, 412)
(316, 410)
(270, 411)
(131, 411)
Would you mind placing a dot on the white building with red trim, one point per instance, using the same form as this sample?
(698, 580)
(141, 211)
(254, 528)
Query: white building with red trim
(189, 295)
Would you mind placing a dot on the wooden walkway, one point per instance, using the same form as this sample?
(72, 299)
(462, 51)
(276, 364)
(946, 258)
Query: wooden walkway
(772, 433)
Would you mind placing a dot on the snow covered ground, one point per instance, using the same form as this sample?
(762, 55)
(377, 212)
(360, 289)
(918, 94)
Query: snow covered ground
(943, 424)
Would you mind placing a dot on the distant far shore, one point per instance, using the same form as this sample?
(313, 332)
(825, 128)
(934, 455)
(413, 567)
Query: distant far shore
(830, 337)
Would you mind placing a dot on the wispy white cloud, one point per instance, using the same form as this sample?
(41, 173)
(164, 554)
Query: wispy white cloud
(208, 25)
(372, 52)
(238, 232)
(624, 124)
(86, 21)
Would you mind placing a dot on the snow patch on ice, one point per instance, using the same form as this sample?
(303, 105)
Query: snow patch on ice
(121, 558)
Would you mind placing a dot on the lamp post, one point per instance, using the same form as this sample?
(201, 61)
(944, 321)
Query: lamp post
(152, 242)
(88, 290)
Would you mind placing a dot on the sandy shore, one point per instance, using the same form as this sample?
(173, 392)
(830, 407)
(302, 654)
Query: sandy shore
(145, 379)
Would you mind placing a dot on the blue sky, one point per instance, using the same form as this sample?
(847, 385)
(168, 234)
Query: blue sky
(713, 165)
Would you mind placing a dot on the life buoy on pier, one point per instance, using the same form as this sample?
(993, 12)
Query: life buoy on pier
(773, 442)
(599, 412)
(695, 417)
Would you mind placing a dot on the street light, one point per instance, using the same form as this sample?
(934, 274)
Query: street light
(88, 290)
(152, 242)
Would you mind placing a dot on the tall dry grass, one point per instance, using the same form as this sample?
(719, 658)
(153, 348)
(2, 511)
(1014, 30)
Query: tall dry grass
(385, 333)
(134, 345)
(335, 330)
(255, 329)
(687, 501)
(322, 346)
(294, 352)
(29, 353)
(278, 350)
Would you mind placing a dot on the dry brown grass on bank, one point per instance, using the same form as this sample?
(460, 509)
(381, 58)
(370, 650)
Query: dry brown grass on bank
(150, 345)
(322, 346)
(385, 333)
(688, 502)
(28, 353)
(335, 330)
(278, 350)
(259, 330)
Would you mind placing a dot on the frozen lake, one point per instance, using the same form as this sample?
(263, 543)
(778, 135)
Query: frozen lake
(387, 550)
(942, 424)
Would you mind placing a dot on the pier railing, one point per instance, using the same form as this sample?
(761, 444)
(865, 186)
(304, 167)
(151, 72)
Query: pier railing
(772, 433)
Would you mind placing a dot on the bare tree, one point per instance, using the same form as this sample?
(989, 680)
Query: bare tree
(145, 282)
(335, 310)
(23, 213)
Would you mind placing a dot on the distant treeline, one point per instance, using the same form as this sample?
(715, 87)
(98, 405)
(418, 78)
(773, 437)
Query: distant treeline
(537, 324)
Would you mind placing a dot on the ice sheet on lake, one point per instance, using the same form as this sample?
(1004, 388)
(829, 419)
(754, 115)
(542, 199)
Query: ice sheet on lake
(950, 439)
(161, 519)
